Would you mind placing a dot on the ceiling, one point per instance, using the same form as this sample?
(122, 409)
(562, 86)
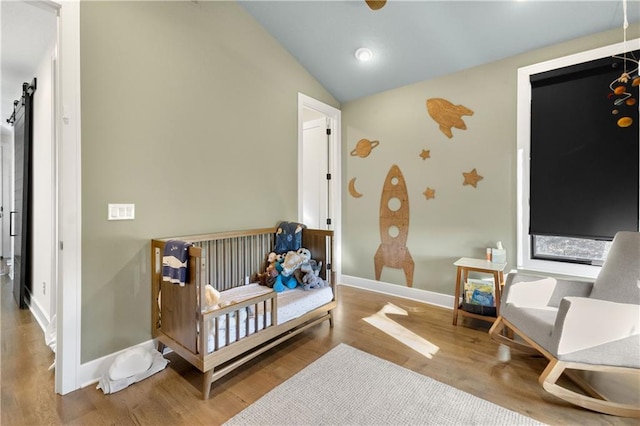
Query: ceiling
(27, 31)
(412, 40)
(420, 40)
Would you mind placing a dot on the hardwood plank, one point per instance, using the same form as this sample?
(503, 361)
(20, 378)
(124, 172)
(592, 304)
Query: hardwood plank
(466, 360)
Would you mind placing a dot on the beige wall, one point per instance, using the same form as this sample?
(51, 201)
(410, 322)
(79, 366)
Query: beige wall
(461, 220)
(195, 104)
(190, 112)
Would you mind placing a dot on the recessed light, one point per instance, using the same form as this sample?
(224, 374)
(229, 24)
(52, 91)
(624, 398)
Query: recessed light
(363, 54)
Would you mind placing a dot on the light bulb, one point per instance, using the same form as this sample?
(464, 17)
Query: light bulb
(363, 54)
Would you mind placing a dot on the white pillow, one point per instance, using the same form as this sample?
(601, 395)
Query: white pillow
(130, 362)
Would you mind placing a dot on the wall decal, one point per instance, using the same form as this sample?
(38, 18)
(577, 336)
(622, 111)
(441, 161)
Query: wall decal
(364, 147)
(429, 193)
(447, 115)
(394, 227)
(471, 178)
(352, 189)
(425, 154)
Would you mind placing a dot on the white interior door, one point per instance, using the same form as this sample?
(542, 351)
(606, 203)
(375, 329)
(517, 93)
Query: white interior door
(315, 160)
(319, 156)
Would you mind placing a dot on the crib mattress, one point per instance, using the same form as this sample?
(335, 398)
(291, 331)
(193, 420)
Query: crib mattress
(296, 302)
(292, 303)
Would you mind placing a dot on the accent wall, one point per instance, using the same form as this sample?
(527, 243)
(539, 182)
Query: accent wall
(448, 217)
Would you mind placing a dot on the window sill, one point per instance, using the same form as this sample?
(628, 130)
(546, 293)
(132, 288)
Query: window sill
(573, 270)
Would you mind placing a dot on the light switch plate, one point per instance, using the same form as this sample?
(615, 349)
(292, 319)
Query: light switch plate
(121, 212)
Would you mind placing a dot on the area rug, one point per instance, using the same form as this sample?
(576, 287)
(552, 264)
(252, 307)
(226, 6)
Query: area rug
(349, 387)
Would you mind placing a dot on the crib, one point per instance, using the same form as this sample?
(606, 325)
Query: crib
(253, 319)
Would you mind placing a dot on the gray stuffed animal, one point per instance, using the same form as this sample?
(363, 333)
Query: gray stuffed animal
(311, 278)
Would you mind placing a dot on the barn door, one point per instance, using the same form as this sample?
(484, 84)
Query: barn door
(20, 218)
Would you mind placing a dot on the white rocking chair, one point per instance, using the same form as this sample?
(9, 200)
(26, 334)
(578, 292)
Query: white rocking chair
(580, 325)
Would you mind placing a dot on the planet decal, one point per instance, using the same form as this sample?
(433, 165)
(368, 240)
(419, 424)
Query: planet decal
(364, 147)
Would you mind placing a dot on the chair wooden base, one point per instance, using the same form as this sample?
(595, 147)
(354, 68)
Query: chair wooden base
(593, 400)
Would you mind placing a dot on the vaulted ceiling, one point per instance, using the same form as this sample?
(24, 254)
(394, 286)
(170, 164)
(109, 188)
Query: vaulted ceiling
(418, 40)
(411, 40)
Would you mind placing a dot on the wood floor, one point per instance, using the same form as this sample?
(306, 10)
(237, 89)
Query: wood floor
(466, 360)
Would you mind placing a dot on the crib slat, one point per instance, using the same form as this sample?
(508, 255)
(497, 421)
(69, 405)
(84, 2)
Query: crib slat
(216, 345)
(232, 260)
(274, 311)
(238, 317)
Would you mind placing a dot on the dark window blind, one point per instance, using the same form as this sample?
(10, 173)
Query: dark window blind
(584, 179)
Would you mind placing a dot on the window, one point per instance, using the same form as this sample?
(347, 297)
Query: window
(578, 172)
(567, 249)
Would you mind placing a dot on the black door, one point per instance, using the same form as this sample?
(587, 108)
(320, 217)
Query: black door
(20, 218)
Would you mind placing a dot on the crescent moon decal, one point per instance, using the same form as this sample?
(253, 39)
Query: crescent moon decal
(352, 189)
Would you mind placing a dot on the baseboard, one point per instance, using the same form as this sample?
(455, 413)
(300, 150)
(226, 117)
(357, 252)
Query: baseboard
(90, 373)
(38, 313)
(425, 296)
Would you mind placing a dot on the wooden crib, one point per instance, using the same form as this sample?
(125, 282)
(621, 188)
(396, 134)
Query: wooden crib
(218, 341)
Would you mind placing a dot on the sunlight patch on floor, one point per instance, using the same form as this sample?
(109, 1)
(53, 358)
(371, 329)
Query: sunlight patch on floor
(383, 323)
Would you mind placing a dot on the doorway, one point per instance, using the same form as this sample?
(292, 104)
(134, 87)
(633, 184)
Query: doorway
(319, 168)
(316, 201)
(30, 34)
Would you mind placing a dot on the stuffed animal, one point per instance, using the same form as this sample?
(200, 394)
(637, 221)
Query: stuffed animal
(211, 297)
(264, 278)
(299, 275)
(292, 261)
(284, 279)
(268, 277)
(304, 254)
(286, 267)
(312, 279)
(272, 258)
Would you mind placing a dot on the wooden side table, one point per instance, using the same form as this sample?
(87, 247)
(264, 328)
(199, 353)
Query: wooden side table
(466, 265)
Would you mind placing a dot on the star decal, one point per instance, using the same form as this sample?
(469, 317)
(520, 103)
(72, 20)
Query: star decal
(429, 193)
(471, 178)
(425, 154)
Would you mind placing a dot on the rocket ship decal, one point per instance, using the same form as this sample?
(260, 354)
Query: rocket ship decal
(447, 115)
(393, 251)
